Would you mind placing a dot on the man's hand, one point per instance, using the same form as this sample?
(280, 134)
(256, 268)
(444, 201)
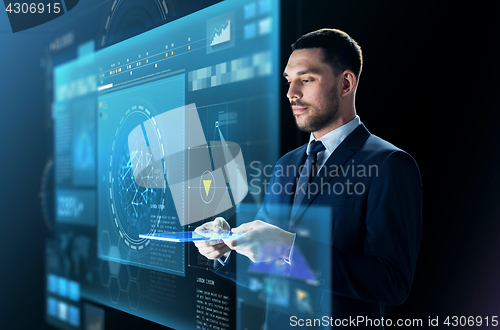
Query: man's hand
(213, 249)
(261, 241)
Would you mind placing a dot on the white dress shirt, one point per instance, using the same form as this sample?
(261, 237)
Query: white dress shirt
(332, 140)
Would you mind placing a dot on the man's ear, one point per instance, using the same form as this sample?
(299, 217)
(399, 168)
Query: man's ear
(348, 83)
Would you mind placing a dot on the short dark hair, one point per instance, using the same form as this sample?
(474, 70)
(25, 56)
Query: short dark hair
(341, 51)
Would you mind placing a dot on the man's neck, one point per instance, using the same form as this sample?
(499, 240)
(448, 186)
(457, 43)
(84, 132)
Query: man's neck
(341, 121)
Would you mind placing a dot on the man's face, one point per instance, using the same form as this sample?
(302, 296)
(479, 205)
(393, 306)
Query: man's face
(312, 90)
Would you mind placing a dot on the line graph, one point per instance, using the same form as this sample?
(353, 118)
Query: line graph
(220, 32)
(221, 35)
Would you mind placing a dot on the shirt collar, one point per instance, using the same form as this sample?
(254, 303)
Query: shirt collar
(333, 139)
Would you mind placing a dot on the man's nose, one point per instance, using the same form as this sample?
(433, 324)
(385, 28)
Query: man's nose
(294, 91)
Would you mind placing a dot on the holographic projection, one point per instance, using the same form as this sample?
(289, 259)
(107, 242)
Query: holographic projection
(172, 148)
(155, 134)
(135, 204)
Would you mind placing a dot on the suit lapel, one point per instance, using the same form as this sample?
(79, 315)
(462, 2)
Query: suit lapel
(291, 180)
(337, 159)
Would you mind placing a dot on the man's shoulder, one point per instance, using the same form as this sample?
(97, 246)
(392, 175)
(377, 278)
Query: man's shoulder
(379, 145)
(380, 152)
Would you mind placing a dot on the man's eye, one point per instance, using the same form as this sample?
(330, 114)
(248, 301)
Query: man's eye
(305, 80)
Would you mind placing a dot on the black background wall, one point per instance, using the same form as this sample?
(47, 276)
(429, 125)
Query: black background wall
(429, 85)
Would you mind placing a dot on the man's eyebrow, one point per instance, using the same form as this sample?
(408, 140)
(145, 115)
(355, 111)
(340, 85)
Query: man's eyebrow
(299, 73)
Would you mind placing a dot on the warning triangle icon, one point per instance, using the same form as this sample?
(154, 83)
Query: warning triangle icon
(207, 184)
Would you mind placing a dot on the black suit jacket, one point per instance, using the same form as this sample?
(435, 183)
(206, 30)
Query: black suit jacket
(359, 229)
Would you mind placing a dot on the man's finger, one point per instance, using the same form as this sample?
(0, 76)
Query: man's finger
(209, 249)
(219, 224)
(243, 228)
(204, 228)
(208, 243)
(215, 254)
(238, 241)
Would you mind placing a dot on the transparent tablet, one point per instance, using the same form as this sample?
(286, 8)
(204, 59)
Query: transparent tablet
(189, 236)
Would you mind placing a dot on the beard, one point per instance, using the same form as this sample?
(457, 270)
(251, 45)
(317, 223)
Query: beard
(320, 116)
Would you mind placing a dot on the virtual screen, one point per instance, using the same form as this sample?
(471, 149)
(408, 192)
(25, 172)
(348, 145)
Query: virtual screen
(156, 134)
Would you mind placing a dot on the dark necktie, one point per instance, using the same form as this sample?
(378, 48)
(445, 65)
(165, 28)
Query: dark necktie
(307, 175)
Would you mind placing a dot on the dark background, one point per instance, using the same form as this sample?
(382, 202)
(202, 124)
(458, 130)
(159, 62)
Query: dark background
(429, 85)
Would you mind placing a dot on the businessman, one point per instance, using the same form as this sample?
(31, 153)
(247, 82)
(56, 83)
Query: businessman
(355, 208)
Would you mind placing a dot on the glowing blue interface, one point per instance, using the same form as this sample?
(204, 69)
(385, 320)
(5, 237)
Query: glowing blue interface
(220, 66)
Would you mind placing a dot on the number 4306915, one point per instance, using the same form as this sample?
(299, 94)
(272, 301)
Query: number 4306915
(33, 8)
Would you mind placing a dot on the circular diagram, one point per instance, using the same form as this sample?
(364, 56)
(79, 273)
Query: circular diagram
(135, 206)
